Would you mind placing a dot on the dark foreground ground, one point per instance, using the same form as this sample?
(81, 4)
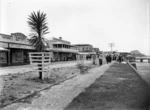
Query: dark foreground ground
(120, 88)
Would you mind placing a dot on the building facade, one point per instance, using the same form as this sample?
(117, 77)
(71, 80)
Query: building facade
(14, 49)
(17, 47)
(97, 51)
(86, 49)
(61, 50)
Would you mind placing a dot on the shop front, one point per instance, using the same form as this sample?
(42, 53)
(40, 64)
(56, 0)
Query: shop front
(19, 54)
(63, 54)
(14, 49)
(3, 56)
(4, 53)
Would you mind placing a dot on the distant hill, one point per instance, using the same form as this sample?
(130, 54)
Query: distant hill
(136, 53)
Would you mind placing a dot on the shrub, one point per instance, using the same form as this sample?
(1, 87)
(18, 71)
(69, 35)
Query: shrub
(82, 67)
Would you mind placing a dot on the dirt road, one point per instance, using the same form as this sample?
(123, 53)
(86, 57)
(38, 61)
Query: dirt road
(27, 68)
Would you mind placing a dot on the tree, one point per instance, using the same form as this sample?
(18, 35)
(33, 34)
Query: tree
(38, 24)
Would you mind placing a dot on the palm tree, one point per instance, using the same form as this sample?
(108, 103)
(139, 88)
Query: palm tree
(37, 23)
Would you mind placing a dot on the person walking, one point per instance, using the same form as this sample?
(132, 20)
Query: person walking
(110, 58)
(107, 59)
(120, 58)
(100, 60)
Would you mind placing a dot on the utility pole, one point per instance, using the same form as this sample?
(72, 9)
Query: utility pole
(111, 45)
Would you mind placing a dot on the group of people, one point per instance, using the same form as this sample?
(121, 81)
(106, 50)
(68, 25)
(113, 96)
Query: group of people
(120, 59)
(109, 58)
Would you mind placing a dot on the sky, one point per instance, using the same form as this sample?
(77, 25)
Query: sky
(98, 22)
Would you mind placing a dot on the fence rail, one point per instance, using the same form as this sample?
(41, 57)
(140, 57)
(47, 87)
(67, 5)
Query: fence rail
(39, 61)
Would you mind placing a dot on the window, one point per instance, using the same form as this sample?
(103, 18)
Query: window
(87, 48)
(83, 49)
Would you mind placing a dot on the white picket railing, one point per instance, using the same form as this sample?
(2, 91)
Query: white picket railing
(40, 61)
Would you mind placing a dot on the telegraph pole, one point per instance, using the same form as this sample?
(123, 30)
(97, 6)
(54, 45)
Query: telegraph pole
(111, 45)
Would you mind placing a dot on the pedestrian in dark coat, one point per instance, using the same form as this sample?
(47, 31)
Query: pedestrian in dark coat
(110, 58)
(107, 59)
(100, 60)
(120, 58)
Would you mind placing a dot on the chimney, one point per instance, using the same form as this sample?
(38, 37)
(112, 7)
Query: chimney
(60, 38)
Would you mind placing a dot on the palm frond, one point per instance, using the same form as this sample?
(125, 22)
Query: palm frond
(38, 25)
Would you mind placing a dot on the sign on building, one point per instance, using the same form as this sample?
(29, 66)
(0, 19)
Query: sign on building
(2, 44)
(19, 37)
(21, 46)
(5, 38)
(14, 38)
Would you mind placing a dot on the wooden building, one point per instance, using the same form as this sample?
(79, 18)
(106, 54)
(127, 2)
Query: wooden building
(61, 50)
(14, 49)
(86, 49)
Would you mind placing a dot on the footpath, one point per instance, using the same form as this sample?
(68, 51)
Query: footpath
(119, 88)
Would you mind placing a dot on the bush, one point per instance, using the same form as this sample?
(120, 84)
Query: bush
(82, 67)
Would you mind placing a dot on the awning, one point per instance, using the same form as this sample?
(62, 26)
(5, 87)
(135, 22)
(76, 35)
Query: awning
(82, 53)
(3, 49)
(62, 50)
(52, 50)
(87, 53)
(61, 43)
(92, 53)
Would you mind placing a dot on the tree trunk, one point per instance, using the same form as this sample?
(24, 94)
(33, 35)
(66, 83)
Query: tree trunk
(40, 72)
